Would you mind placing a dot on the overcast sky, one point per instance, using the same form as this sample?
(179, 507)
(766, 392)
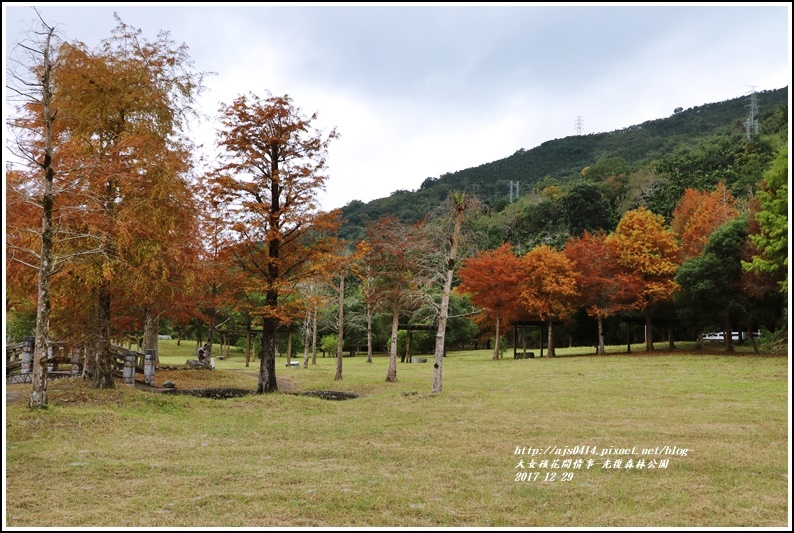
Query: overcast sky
(417, 91)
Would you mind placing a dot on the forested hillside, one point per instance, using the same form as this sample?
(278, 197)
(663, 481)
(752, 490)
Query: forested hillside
(694, 141)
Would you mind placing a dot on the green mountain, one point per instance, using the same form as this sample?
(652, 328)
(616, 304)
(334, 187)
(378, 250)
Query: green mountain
(561, 159)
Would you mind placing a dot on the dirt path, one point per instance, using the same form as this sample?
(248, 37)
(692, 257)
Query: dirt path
(14, 396)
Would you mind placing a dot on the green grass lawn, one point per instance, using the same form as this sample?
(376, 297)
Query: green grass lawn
(401, 457)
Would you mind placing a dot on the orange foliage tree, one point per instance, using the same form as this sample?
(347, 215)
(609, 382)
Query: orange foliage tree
(492, 279)
(606, 287)
(125, 105)
(698, 214)
(393, 254)
(121, 164)
(548, 287)
(646, 247)
(161, 248)
(273, 167)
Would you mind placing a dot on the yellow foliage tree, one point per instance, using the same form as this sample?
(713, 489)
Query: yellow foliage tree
(549, 287)
(647, 247)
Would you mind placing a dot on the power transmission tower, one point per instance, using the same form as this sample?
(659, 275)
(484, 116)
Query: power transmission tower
(578, 125)
(513, 186)
(751, 124)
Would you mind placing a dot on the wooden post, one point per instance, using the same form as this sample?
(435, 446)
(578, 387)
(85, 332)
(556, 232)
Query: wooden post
(148, 367)
(52, 365)
(129, 368)
(77, 360)
(628, 348)
(28, 345)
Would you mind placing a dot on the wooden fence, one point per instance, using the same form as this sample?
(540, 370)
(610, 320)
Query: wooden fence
(63, 362)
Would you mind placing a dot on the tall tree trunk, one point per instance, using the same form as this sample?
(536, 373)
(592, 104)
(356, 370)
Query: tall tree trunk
(444, 313)
(496, 344)
(289, 343)
(341, 321)
(314, 337)
(752, 337)
(306, 338)
(247, 345)
(151, 328)
(208, 350)
(38, 387)
(648, 332)
(267, 364)
(391, 374)
(601, 350)
(670, 337)
(551, 350)
(88, 359)
(728, 335)
(369, 333)
(104, 358)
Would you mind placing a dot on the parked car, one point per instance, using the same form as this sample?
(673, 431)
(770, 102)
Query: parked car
(736, 335)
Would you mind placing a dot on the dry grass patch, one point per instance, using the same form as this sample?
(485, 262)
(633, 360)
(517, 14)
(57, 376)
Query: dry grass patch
(399, 456)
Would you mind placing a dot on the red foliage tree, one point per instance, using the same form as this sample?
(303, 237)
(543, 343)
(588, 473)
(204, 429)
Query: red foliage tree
(273, 168)
(698, 214)
(492, 279)
(606, 286)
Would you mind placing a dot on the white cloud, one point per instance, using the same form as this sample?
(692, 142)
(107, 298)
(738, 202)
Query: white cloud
(418, 91)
